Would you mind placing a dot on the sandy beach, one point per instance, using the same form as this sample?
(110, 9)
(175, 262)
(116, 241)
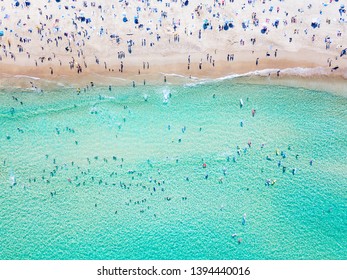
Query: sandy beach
(74, 43)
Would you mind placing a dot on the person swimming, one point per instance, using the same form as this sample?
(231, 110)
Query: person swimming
(249, 143)
(244, 219)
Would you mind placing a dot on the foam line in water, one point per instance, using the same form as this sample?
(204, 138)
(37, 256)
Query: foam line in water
(28, 77)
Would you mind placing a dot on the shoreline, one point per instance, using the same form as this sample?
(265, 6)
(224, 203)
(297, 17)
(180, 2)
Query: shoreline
(317, 78)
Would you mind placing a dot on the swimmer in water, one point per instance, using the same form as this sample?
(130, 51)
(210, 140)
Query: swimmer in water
(249, 143)
(244, 219)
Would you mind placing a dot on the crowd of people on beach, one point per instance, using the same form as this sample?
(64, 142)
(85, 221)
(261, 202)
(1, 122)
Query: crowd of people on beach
(57, 34)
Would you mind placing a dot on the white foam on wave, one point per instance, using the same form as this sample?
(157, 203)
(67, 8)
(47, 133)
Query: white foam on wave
(174, 75)
(296, 71)
(28, 77)
(107, 97)
(166, 95)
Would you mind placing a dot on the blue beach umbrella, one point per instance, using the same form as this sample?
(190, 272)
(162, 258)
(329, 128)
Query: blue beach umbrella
(1, 33)
(245, 24)
(315, 23)
(186, 3)
(276, 23)
(230, 24)
(205, 24)
(136, 20)
(225, 27)
(16, 3)
(58, 1)
(263, 30)
(125, 19)
(27, 3)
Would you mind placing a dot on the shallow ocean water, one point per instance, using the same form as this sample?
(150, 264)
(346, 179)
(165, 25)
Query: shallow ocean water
(108, 175)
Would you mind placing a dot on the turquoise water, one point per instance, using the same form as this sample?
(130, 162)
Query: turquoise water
(108, 175)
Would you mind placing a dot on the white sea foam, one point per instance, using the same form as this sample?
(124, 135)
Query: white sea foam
(297, 71)
(28, 77)
(166, 95)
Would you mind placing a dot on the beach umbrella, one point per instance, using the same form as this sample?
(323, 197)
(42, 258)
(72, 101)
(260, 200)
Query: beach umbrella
(343, 52)
(263, 30)
(1, 33)
(245, 24)
(125, 19)
(58, 1)
(205, 24)
(27, 3)
(186, 3)
(225, 27)
(136, 20)
(315, 23)
(230, 24)
(276, 23)
(16, 3)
